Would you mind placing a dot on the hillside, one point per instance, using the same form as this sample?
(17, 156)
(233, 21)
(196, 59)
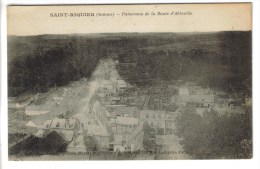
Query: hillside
(220, 60)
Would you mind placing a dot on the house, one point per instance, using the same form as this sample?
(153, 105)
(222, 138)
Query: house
(115, 100)
(155, 119)
(66, 128)
(57, 100)
(125, 124)
(40, 114)
(197, 90)
(26, 98)
(100, 135)
(220, 93)
(119, 143)
(106, 84)
(170, 127)
(36, 110)
(109, 92)
(171, 87)
(128, 142)
(201, 111)
(198, 100)
(58, 123)
(15, 105)
(101, 94)
(77, 145)
(125, 112)
(121, 84)
(184, 91)
(135, 139)
(162, 122)
(12, 103)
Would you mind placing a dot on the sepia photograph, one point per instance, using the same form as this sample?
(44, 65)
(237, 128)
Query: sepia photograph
(129, 82)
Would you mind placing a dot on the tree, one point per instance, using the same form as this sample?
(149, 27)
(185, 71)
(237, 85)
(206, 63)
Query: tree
(90, 143)
(213, 136)
(149, 138)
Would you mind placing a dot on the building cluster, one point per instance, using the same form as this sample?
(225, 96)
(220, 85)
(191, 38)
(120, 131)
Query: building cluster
(114, 117)
(206, 99)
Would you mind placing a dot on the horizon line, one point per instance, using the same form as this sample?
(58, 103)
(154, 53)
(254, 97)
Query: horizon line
(198, 32)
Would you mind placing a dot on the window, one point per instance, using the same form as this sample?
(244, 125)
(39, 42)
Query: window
(147, 115)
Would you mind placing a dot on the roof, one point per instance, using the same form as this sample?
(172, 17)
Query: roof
(31, 124)
(97, 130)
(106, 83)
(24, 96)
(120, 110)
(39, 133)
(78, 141)
(184, 91)
(201, 111)
(67, 135)
(127, 121)
(153, 111)
(58, 123)
(219, 92)
(46, 111)
(128, 138)
(115, 98)
(11, 99)
(121, 83)
(36, 110)
(136, 131)
(119, 138)
(86, 119)
(100, 94)
(40, 119)
(198, 98)
(153, 115)
(58, 98)
(61, 123)
(46, 124)
(33, 113)
(199, 90)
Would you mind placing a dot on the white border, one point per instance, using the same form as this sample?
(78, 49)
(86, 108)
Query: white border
(201, 164)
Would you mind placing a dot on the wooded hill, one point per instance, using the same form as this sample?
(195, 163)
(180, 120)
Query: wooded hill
(219, 60)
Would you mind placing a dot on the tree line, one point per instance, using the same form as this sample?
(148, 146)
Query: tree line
(225, 63)
(56, 66)
(221, 60)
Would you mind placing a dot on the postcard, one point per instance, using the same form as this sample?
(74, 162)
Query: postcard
(129, 82)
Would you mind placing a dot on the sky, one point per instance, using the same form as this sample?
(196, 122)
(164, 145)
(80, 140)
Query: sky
(36, 20)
